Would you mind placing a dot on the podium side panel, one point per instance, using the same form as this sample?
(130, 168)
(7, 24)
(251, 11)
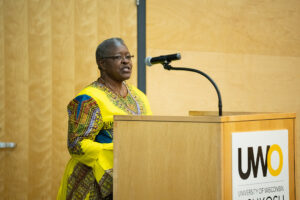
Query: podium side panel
(167, 160)
(248, 126)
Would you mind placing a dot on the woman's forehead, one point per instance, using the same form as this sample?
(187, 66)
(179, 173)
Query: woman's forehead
(119, 48)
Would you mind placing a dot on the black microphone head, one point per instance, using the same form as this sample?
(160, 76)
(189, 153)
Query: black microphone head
(178, 56)
(167, 58)
(149, 61)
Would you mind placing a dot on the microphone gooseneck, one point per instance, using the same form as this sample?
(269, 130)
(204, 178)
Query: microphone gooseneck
(167, 66)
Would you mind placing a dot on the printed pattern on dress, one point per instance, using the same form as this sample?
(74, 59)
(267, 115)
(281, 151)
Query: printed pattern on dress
(131, 104)
(106, 183)
(81, 183)
(85, 121)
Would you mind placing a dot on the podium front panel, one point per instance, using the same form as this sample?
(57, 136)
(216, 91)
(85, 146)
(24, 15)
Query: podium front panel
(163, 160)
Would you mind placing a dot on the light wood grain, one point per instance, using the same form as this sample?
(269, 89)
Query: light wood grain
(216, 113)
(236, 117)
(244, 116)
(166, 160)
(16, 99)
(86, 70)
(63, 79)
(2, 98)
(168, 118)
(220, 26)
(40, 99)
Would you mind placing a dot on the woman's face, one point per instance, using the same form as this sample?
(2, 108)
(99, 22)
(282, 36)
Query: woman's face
(117, 64)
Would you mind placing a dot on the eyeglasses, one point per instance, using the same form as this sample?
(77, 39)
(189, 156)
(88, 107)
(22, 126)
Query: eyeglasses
(119, 58)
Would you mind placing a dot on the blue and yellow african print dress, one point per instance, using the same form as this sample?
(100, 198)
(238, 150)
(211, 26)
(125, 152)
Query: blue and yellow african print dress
(88, 174)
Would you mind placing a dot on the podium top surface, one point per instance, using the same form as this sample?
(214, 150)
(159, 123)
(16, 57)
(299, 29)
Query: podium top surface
(200, 116)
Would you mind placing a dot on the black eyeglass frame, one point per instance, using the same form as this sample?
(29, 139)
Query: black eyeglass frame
(128, 57)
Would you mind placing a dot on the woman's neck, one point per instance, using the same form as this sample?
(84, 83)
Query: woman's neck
(115, 86)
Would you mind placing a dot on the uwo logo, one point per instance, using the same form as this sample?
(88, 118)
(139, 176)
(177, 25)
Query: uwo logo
(265, 162)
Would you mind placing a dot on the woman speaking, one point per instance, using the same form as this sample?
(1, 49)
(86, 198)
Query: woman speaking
(89, 172)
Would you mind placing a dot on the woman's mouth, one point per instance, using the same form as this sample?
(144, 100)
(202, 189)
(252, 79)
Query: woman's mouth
(126, 69)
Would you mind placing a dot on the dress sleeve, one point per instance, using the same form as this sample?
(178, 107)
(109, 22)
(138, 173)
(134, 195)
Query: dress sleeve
(85, 122)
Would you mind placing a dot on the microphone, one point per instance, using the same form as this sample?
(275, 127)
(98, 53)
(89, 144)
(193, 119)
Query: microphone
(162, 59)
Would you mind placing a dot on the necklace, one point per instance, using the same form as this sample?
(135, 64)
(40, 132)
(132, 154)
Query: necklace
(113, 90)
(123, 99)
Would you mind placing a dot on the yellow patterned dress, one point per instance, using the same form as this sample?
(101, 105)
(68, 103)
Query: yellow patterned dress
(88, 174)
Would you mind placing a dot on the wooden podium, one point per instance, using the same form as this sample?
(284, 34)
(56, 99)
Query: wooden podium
(190, 157)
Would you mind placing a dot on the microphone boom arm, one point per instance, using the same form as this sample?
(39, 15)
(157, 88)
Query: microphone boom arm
(167, 66)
